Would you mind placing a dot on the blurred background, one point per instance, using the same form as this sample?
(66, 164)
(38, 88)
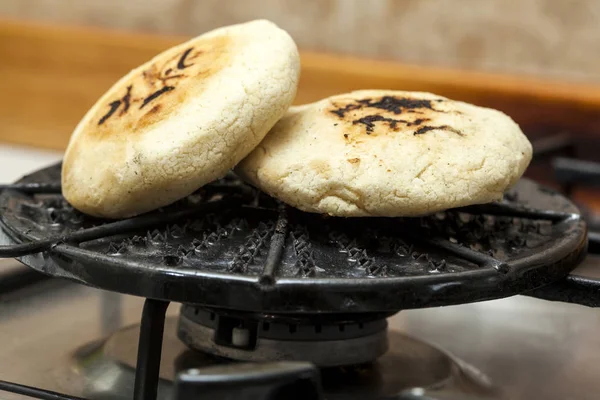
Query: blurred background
(536, 60)
(554, 38)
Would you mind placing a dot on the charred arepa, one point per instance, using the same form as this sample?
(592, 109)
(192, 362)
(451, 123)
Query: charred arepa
(181, 120)
(388, 153)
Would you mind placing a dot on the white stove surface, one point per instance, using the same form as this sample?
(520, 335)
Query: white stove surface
(16, 161)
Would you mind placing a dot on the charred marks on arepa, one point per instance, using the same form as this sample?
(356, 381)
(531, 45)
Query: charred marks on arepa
(154, 95)
(113, 107)
(392, 104)
(399, 105)
(151, 77)
(369, 122)
(394, 111)
(425, 129)
(181, 62)
(126, 100)
(153, 82)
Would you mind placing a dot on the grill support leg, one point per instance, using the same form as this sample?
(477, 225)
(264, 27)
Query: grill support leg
(149, 349)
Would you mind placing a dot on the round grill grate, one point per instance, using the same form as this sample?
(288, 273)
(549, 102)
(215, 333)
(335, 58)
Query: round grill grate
(230, 246)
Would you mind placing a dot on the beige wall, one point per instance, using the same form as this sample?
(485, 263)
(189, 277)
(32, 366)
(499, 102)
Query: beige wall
(550, 37)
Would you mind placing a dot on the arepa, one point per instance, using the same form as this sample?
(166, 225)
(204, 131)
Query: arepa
(181, 120)
(388, 153)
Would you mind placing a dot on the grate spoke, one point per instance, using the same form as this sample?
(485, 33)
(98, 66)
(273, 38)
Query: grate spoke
(34, 392)
(110, 229)
(276, 248)
(320, 264)
(476, 257)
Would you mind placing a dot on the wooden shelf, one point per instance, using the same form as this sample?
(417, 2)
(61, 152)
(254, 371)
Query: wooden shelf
(49, 77)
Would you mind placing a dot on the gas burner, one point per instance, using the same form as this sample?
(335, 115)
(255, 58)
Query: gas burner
(106, 370)
(326, 341)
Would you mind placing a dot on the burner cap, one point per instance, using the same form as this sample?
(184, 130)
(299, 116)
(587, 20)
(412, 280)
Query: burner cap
(334, 341)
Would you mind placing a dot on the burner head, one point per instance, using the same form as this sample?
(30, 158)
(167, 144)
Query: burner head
(333, 340)
(106, 369)
(230, 246)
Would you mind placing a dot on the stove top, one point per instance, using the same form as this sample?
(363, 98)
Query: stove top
(528, 348)
(423, 364)
(308, 298)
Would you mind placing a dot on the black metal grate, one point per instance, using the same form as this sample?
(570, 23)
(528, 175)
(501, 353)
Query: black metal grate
(230, 246)
(571, 172)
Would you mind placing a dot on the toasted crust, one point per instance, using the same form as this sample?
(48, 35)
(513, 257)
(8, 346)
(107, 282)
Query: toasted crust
(181, 120)
(388, 153)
